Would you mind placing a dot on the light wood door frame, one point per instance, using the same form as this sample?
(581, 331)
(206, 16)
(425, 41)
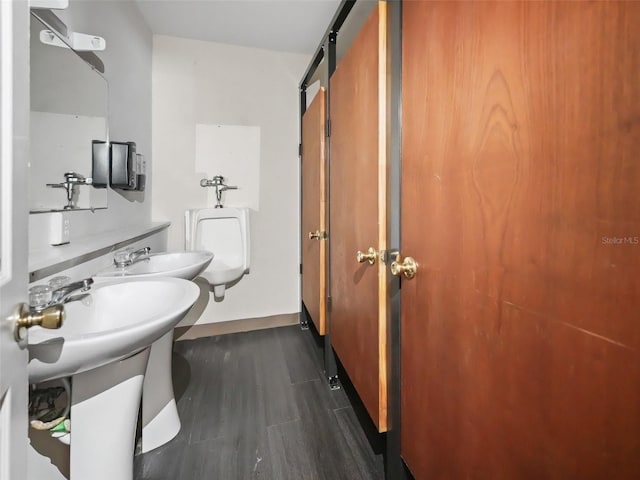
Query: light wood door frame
(345, 324)
(313, 174)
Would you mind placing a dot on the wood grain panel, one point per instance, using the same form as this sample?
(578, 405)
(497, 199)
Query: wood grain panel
(358, 169)
(520, 333)
(314, 283)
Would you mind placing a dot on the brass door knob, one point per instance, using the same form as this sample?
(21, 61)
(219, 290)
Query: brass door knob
(370, 256)
(408, 267)
(51, 317)
(317, 235)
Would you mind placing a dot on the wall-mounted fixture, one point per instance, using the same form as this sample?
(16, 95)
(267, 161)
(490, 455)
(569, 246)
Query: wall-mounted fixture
(225, 231)
(141, 172)
(123, 165)
(72, 181)
(100, 157)
(80, 42)
(128, 168)
(218, 183)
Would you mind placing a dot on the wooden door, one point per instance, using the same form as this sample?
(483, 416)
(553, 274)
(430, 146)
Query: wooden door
(313, 222)
(520, 202)
(358, 214)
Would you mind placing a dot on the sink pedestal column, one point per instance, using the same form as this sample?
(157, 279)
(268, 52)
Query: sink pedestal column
(104, 415)
(160, 420)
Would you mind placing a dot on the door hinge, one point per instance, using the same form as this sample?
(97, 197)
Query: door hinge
(329, 303)
(300, 150)
(327, 128)
(300, 269)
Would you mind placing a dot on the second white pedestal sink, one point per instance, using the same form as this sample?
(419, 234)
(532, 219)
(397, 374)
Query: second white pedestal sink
(187, 265)
(160, 420)
(104, 345)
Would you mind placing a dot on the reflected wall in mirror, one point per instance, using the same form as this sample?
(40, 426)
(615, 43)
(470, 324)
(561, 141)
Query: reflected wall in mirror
(69, 102)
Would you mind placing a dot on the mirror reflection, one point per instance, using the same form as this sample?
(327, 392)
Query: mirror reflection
(69, 102)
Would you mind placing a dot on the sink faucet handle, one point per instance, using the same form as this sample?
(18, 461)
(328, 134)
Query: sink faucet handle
(40, 296)
(125, 258)
(86, 284)
(122, 258)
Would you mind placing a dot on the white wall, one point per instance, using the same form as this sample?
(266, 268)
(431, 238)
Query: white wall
(197, 82)
(127, 61)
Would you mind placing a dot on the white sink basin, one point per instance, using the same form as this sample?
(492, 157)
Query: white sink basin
(114, 321)
(187, 265)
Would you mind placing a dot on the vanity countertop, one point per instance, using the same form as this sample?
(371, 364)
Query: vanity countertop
(43, 261)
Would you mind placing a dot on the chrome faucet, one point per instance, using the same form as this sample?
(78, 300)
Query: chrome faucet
(126, 258)
(140, 254)
(218, 183)
(71, 182)
(46, 306)
(63, 294)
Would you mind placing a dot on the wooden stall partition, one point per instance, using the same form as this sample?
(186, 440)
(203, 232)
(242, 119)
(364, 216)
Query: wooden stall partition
(520, 184)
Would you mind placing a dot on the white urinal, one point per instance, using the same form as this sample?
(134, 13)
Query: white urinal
(225, 232)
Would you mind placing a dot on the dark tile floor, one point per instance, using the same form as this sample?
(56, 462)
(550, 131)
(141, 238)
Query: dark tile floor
(255, 405)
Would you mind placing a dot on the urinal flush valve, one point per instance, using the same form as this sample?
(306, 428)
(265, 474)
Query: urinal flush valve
(220, 186)
(71, 182)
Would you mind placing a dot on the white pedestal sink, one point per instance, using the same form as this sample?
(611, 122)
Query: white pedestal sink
(160, 420)
(186, 265)
(104, 345)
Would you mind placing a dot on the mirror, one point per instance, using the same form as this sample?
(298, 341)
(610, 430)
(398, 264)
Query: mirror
(69, 104)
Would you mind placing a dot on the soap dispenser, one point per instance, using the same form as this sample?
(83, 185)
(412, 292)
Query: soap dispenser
(141, 172)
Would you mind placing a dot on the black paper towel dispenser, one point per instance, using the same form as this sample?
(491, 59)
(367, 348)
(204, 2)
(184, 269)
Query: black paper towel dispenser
(100, 163)
(123, 165)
